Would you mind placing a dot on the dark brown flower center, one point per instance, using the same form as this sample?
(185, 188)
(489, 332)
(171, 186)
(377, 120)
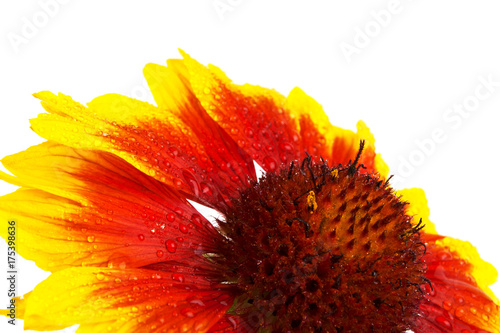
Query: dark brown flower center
(313, 248)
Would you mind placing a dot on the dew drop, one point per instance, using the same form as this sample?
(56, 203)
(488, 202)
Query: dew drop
(249, 132)
(270, 163)
(91, 239)
(196, 220)
(170, 217)
(286, 146)
(189, 178)
(117, 263)
(197, 302)
(459, 312)
(183, 228)
(171, 246)
(206, 189)
(159, 253)
(443, 322)
(446, 305)
(141, 237)
(100, 276)
(187, 312)
(178, 277)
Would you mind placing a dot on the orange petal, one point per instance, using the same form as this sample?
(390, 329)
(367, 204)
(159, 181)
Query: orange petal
(131, 300)
(90, 208)
(459, 300)
(198, 159)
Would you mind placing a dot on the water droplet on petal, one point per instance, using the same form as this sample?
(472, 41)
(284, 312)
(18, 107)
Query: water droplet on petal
(187, 312)
(249, 132)
(191, 181)
(91, 239)
(443, 322)
(141, 237)
(183, 228)
(178, 277)
(286, 147)
(170, 217)
(100, 276)
(459, 312)
(196, 220)
(159, 253)
(206, 189)
(270, 163)
(171, 246)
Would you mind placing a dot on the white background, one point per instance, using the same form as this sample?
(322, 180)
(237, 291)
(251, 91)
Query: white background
(427, 58)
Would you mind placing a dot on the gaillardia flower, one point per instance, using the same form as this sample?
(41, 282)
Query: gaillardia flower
(321, 243)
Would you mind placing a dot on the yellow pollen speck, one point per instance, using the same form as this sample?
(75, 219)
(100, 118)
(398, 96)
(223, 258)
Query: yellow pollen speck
(311, 201)
(335, 173)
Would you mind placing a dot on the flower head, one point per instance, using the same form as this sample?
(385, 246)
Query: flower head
(321, 243)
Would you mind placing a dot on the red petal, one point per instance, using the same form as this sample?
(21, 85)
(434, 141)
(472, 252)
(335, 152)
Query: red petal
(253, 116)
(271, 128)
(225, 167)
(456, 303)
(93, 208)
